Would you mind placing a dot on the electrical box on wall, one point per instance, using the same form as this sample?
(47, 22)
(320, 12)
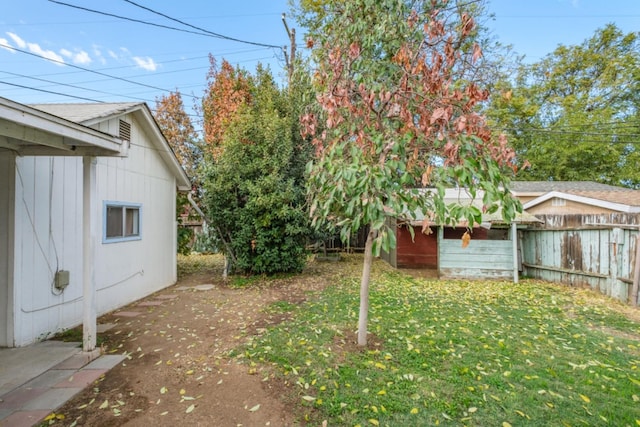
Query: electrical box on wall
(61, 279)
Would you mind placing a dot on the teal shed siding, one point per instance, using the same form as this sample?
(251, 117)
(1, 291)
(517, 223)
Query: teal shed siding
(481, 259)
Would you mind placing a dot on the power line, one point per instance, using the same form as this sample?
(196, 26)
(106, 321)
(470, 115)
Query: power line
(84, 69)
(201, 32)
(71, 86)
(200, 29)
(51, 92)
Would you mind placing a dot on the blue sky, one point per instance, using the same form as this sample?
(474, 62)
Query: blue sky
(105, 58)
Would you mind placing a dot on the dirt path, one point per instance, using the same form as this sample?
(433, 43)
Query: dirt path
(179, 371)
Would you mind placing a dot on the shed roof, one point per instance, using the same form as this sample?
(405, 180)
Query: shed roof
(454, 196)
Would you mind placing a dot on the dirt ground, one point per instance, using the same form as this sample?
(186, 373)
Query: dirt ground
(179, 371)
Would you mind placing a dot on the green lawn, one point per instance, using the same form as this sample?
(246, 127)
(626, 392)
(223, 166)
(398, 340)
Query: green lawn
(475, 353)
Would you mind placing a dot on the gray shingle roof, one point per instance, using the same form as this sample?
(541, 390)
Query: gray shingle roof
(83, 112)
(546, 186)
(629, 198)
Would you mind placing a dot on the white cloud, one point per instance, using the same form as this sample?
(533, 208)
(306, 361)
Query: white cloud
(113, 54)
(81, 57)
(145, 63)
(4, 44)
(35, 48)
(17, 40)
(47, 54)
(98, 54)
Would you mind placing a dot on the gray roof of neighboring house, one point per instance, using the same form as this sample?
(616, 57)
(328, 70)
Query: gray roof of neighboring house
(84, 112)
(630, 197)
(566, 186)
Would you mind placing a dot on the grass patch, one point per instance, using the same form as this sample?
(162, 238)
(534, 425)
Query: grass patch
(280, 307)
(75, 335)
(459, 353)
(198, 263)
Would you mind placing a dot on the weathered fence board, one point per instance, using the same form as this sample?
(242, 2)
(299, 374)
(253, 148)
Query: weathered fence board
(601, 257)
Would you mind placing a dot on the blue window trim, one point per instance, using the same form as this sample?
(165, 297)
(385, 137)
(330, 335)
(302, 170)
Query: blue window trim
(111, 203)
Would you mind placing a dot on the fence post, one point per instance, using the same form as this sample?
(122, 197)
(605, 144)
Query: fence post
(636, 273)
(514, 241)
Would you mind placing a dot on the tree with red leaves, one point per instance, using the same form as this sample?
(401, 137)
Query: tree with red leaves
(228, 89)
(398, 121)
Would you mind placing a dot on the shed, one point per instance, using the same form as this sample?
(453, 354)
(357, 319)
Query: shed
(87, 215)
(492, 251)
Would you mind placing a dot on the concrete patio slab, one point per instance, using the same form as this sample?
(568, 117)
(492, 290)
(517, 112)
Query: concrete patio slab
(22, 364)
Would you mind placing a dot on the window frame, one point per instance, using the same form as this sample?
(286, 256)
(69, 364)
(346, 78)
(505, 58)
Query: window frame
(124, 206)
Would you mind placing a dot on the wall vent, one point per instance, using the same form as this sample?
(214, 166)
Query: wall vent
(125, 131)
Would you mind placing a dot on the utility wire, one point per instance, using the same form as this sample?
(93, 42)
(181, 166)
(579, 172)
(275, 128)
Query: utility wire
(198, 28)
(51, 92)
(200, 32)
(6, 46)
(73, 86)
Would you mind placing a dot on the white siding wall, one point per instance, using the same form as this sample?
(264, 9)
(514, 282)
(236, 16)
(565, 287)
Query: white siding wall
(129, 270)
(124, 271)
(48, 237)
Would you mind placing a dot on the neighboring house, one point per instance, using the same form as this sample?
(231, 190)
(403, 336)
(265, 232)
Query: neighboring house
(87, 214)
(526, 191)
(491, 252)
(570, 204)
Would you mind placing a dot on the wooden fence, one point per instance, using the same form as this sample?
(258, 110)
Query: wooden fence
(596, 254)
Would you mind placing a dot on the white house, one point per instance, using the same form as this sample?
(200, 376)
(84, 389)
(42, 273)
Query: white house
(87, 215)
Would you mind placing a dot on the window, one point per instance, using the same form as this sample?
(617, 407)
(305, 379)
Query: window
(558, 202)
(121, 222)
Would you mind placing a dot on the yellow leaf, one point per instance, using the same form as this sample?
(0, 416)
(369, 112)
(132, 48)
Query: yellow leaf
(164, 413)
(60, 416)
(382, 392)
(414, 410)
(255, 408)
(309, 398)
(466, 237)
(190, 408)
(472, 409)
(50, 417)
(374, 422)
(505, 424)
(182, 391)
(522, 414)
(189, 372)
(163, 390)
(585, 398)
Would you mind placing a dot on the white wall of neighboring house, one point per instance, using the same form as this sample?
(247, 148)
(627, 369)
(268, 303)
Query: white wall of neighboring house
(48, 235)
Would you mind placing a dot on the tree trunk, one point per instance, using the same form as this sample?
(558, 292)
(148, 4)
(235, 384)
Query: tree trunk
(364, 288)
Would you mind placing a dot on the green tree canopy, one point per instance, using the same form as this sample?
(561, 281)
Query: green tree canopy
(398, 93)
(254, 192)
(574, 115)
